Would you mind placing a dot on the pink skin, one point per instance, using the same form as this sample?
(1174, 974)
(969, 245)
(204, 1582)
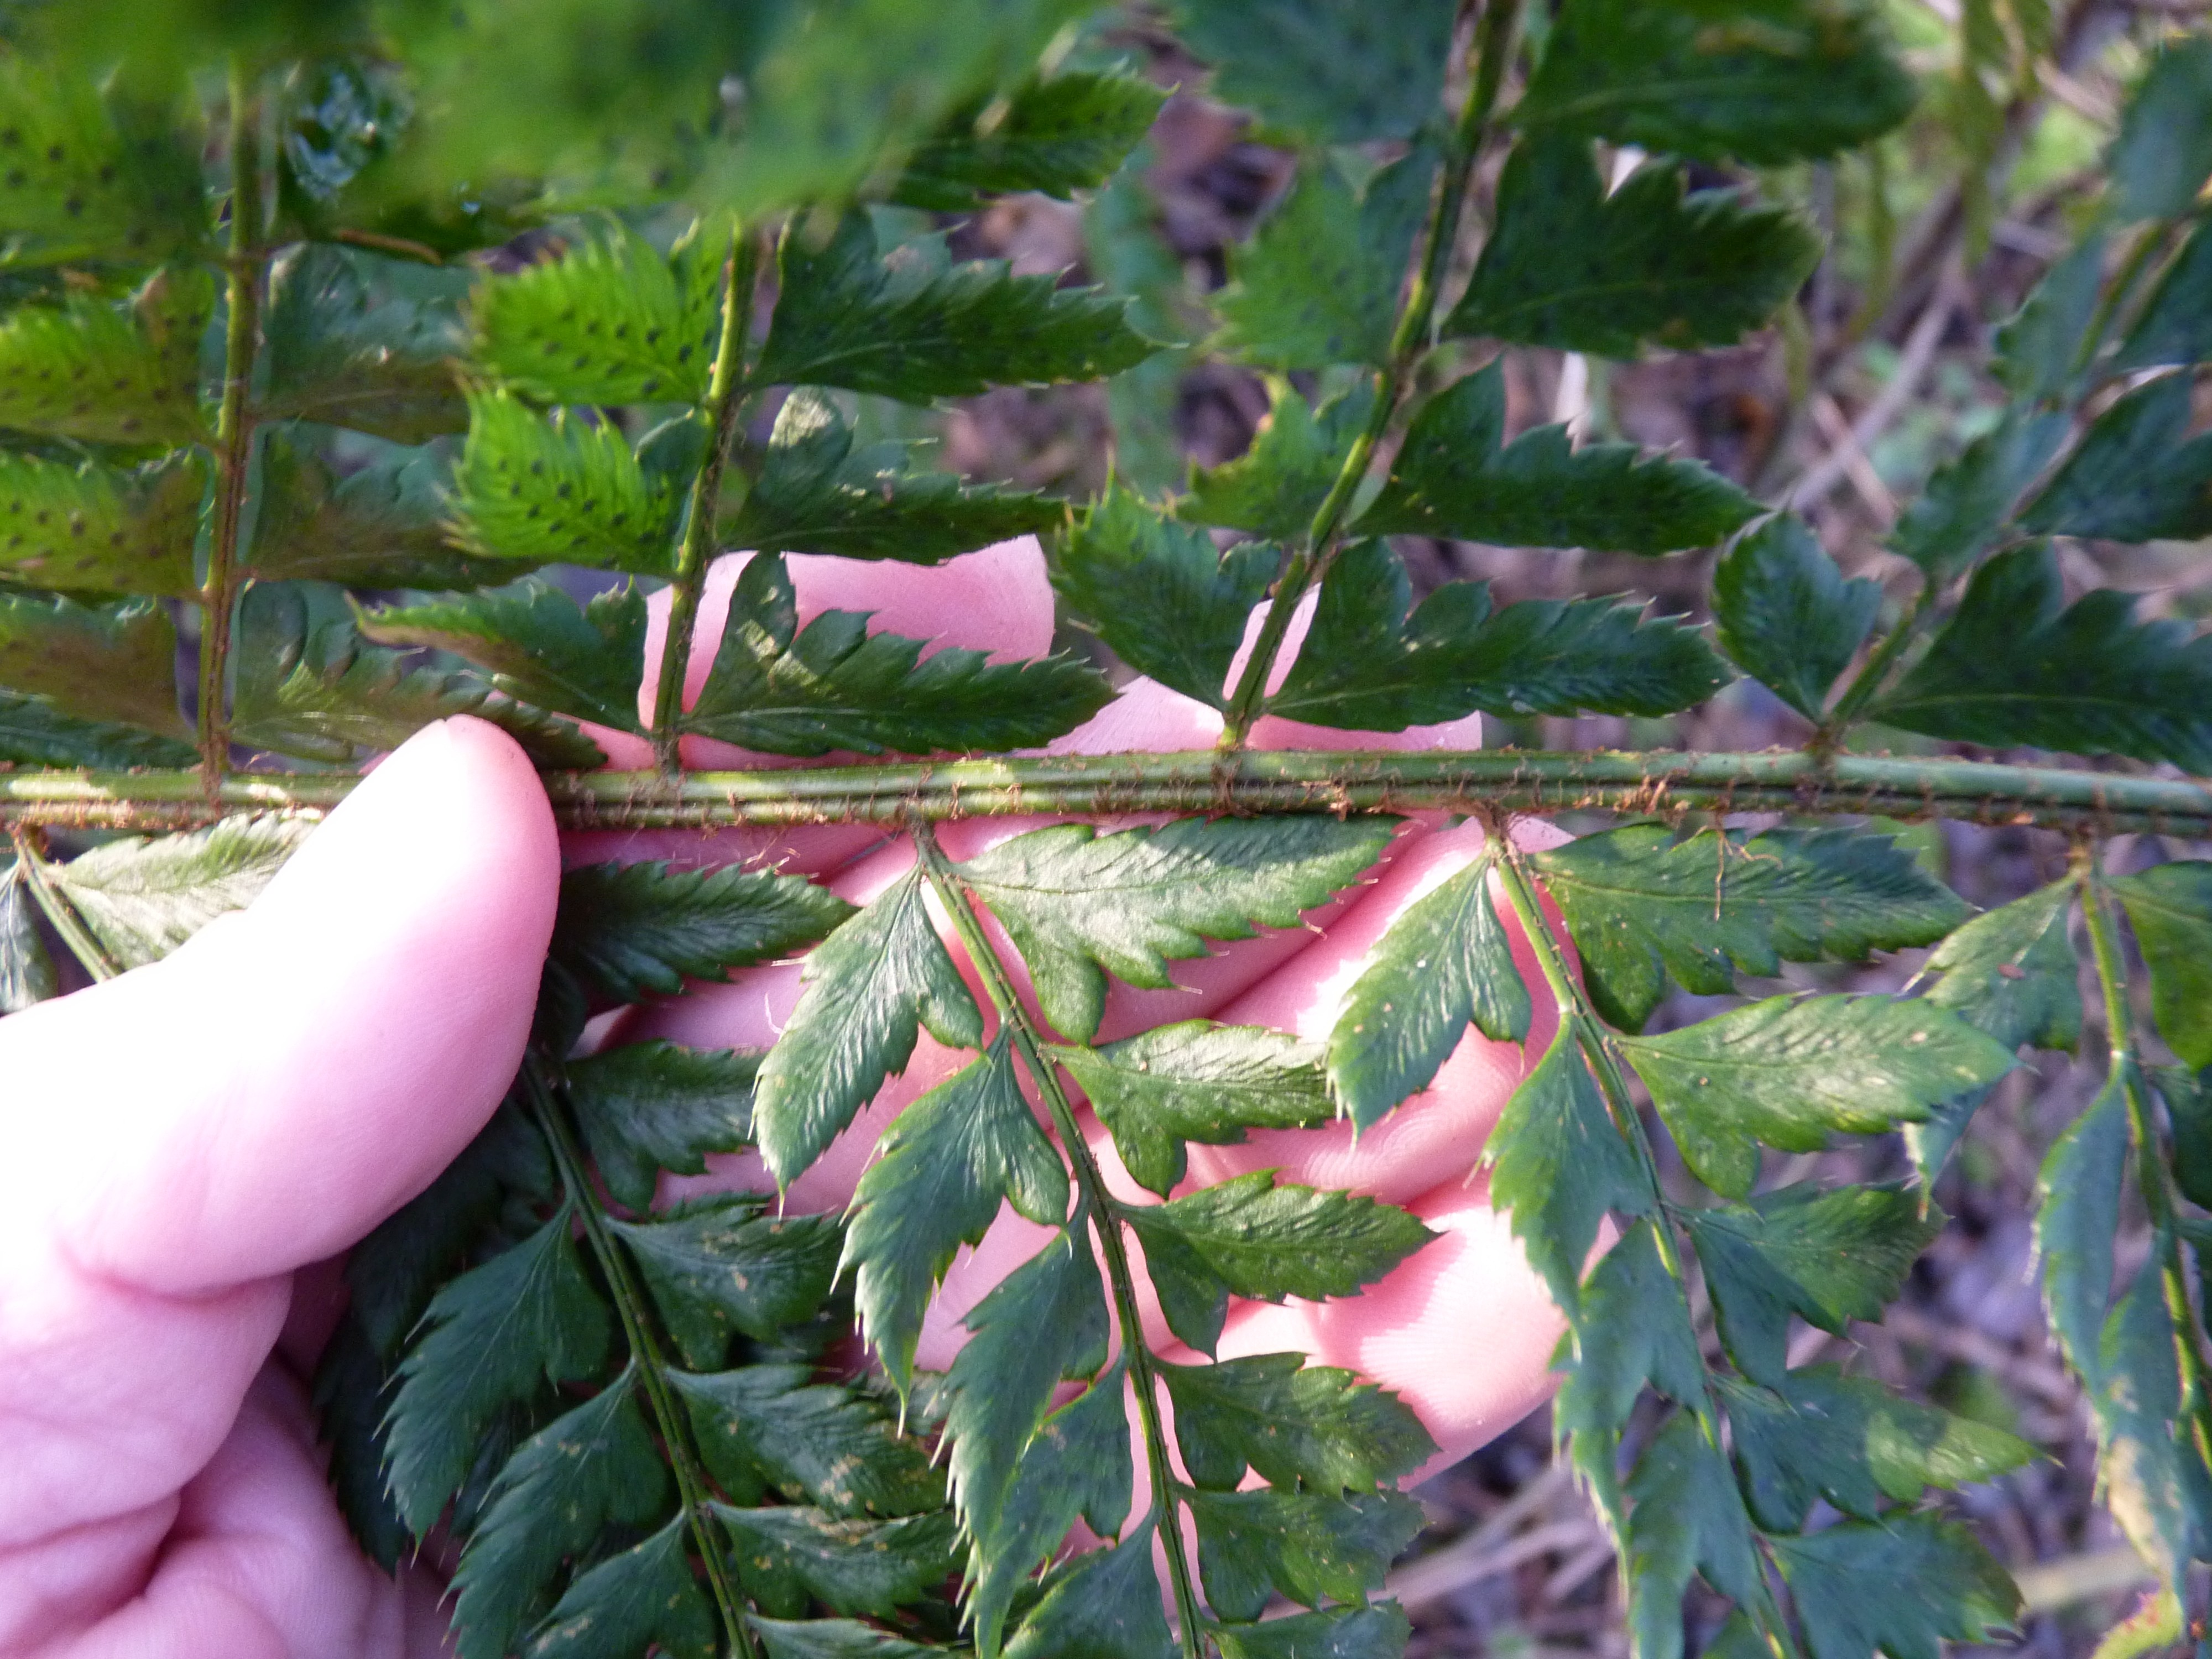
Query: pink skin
(240, 1114)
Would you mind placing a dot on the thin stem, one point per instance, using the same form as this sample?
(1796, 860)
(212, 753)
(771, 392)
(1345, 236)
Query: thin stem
(723, 401)
(645, 1352)
(234, 426)
(1493, 51)
(2151, 1170)
(37, 875)
(944, 882)
(1868, 680)
(1664, 784)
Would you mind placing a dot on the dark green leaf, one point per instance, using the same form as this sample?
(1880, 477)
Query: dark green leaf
(819, 1443)
(1368, 666)
(116, 661)
(1370, 1632)
(34, 732)
(1828, 1257)
(1785, 1072)
(87, 177)
(1332, 68)
(144, 898)
(631, 929)
(2136, 476)
(647, 1107)
(1294, 1423)
(1249, 1237)
(1053, 135)
(1106, 1606)
(530, 488)
(2151, 1476)
(2077, 1213)
(1318, 284)
(1456, 476)
(1688, 1518)
(1559, 1165)
(1787, 616)
(1308, 1547)
(1902, 1585)
(2188, 1111)
(1760, 80)
(610, 322)
(719, 1266)
(1851, 1441)
(870, 988)
(591, 1467)
(625, 1604)
(382, 527)
(846, 317)
(834, 685)
(1573, 267)
(1079, 905)
(1642, 905)
(1960, 513)
(817, 495)
(1197, 1081)
(832, 1638)
(2170, 908)
(101, 527)
(360, 341)
(126, 374)
(1044, 1321)
(539, 644)
(943, 1166)
(498, 1333)
(2041, 348)
(352, 1391)
(785, 1556)
(1170, 604)
(1274, 489)
(2175, 324)
(27, 971)
(2013, 667)
(1078, 1465)
(2160, 161)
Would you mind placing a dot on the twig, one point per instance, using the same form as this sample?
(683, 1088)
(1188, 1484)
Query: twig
(1434, 1577)
(2049, 1585)
(1878, 415)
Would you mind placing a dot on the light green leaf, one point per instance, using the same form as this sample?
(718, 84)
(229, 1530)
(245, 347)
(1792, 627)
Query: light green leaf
(1787, 616)
(1902, 1585)
(1331, 68)
(1170, 604)
(1758, 81)
(142, 898)
(27, 971)
(496, 1334)
(1318, 283)
(1274, 489)
(786, 1555)
(358, 340)
(380, 526)
(2077, 1213)
(539, 644)
(1308, 1547)
(1297, 1425)
(1559, 1165)
(101, 527)
(1643, 906)
(115, 661)
(943, 1167)
(1378, 1632)
(1688, 1518)
(34, 732)
(87, 177)
(2170, 908)
(1105, 1606)
(559, 490)
(846, 317)
(105, 374)
(815, 1442)
(1249, 1237)
(2160, 161)
(593, 1466)
(1194, 1080)
(720, 1265)
(832, 1638)
(1456, 477)
(1828, 1257)
(817, 495)
(1079, 905)
(646, 1107)
(1785, 1072)
(610, 322)
(1055, 136)
(2150, 1474)
(2137, 475)
(870, 988)
(1573, 267)
(2017, 666)
(1970, 499)
(631, 929)
(1368, 666)
(628, 1602)
(833, 684)
(1445, 962)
